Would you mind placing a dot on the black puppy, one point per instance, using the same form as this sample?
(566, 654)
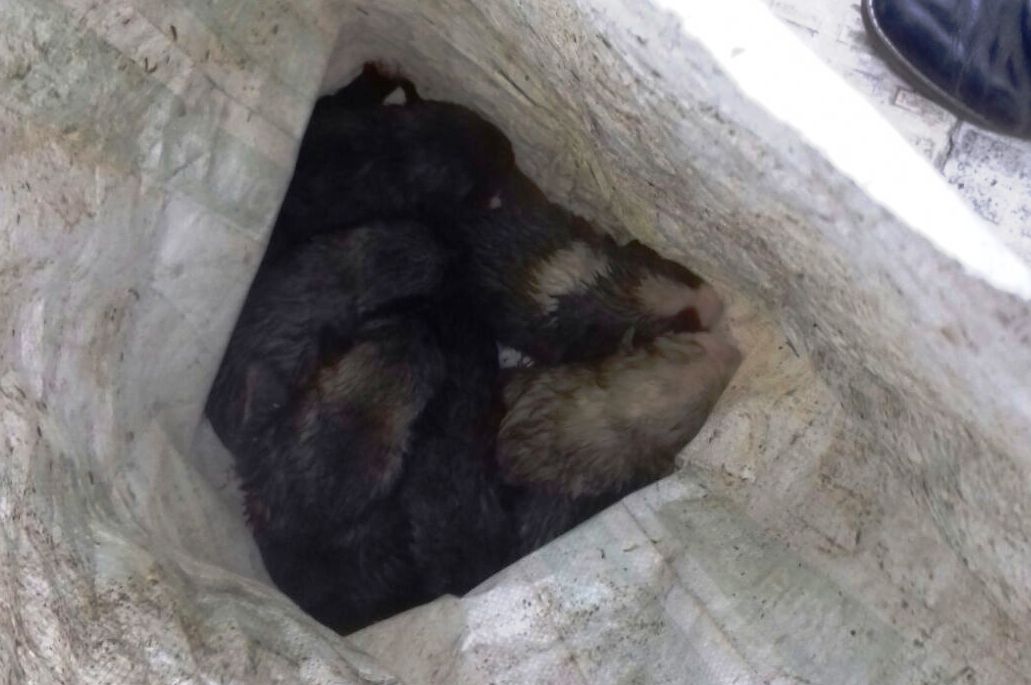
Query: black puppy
(556, 289)
(369, 89)
(461, 530)
(357, 162)
(306, 307)
(358, 574)
(362, 510)
(342, 442)
(322, 482)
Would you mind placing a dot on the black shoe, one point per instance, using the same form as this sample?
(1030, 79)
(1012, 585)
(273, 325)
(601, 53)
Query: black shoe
(971, 56)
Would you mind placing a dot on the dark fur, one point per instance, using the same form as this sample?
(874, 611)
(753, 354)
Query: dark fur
(351, 541)
(461, 533)
(331, 531)
(362, 573)
(368, 89)
(539, 516)
(507, 248)
(306, 307)
(455, 515)
(360, 391)
(357, 163)
(342, 442)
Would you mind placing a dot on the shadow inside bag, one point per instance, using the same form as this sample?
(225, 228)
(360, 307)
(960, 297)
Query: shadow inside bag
(385, 455)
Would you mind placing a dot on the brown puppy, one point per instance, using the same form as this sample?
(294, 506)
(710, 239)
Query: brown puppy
(577, 438)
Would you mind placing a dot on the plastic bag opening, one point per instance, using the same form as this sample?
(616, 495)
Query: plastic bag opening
(145, 151)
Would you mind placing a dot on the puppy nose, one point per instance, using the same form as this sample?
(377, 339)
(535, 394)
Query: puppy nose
(687, 320)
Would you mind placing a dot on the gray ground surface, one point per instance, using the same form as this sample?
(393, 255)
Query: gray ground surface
(989, 170)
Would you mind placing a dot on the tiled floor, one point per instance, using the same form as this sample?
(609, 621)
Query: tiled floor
(993, 172)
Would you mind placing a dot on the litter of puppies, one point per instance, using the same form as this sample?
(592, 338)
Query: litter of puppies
(385, 456)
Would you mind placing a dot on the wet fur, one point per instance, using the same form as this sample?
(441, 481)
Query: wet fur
(576, 438)
(360, 162)
(361, 574)
(343, 440)
(378, 491)
(461, 530)
(384, 462)
(307, 306)
(329, 477)
(555, 288)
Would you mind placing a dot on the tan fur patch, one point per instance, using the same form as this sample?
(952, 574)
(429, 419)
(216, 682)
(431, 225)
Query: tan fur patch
(363, 379)
(664, 297)
(586, 429)
(570, 270)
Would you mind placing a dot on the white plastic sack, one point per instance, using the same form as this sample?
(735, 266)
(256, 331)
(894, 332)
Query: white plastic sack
(854, 511)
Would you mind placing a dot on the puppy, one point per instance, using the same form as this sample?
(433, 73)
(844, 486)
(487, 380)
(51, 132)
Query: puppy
(357, 163)
(576, 438)
(323, 483)
(307, 307)
(359, 574)
(460, 528)
(343, 440)
(379, 490)
(554, 288)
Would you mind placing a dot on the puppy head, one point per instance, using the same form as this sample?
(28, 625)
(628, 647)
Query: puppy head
(592, 428)
(663, 394)
(671, 292)
(684, 308)
(393, 263)
(473, 148)
(680, 376)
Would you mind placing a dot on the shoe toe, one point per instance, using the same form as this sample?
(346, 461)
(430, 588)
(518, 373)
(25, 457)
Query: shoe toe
(971, 56)
(925, 33)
